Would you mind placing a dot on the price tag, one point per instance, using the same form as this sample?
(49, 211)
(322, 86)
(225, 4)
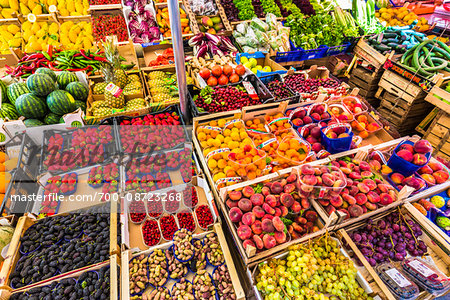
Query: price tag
(398, 278)
(421, 268)
(52, 8)
(268, 142)
(31, 17)
(250, 90)
(113, 89)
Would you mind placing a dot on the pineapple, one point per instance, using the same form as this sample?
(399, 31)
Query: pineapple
(102, 112)
(156, 75)
(99, 88)
(110, 99)
(133, 78)
(113, 56)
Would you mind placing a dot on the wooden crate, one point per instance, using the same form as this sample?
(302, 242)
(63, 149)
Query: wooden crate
(152, 52)
(367, 53)
(438, 249)
(13, 255)
(367, 84)
(438, 134)
(439, 97)
(217, 228)
(114, 262)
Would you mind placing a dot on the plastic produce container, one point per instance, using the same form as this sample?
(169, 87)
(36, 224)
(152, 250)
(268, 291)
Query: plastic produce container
(337, 145)
(266, 79)
(323, 191)
(397, 282)
(398, 164)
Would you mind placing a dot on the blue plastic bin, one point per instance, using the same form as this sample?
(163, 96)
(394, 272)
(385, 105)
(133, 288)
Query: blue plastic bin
(339, 144)
(398, 164)
(335, 50)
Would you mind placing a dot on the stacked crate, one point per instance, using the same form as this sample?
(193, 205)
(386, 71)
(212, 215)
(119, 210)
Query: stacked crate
(438, 134)
(402, 102)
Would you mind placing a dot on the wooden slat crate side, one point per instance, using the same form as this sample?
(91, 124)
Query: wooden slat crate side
(439, 97)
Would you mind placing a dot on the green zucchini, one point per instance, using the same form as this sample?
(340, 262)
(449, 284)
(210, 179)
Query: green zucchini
(443, 64)
(382, 47)
(427, 56)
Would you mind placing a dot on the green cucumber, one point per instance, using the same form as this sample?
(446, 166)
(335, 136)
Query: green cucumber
(428, 57)
(415, 60)
(409, 51)
(443, 64)
(382, 47)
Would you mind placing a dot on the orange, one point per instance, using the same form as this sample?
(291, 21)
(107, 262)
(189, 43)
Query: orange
(2, 168)
(5, 178)
(364, 134)
(362, 118)
(3, 157)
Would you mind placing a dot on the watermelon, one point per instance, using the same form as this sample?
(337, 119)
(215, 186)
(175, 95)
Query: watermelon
(32, 122)
(15, 90)
(3, 91)
(81, 104)
(31, 106)
(40, 84)
(78, 90)
(46, 71)
(52, 118)
(61, 102)
(65, 78)
(8, 111)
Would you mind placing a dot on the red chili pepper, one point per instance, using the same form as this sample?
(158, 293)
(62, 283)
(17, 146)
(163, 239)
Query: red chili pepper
(50, 50)
(82, 53)
(100, 59)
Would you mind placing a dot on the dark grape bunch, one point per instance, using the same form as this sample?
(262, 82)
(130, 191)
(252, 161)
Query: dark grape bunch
(298, 83)
(279, 90)
(389, 239)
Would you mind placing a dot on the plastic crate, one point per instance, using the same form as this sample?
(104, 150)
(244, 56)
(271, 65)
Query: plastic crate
(315, 53)
(289, 56)
(261, 90)
(29, 153)
(295, 98)
(335, 50)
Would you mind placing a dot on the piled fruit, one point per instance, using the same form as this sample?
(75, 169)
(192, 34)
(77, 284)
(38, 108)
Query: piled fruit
(213, 25)
(84, 241)
(200, 63)
(434, 173)
(57, 185)
(38, 36)
(399, 181)
(151, 232)
(300, 84)
(361, 124)
(109, 25)
(71, 7)
(252, 65)
(220, 99)
(162, 18)
(95, 284)
(219, 75)
(41, 102)
(166, 58)
(163, 86)
(389, 238)
(204, 216)
(417, 154)
(279, 90)
(76, 36)
(261, 213)
(142, 24)
(107, 177)
(312, 134)
(400, 17)
(10, 37)
(314, 269)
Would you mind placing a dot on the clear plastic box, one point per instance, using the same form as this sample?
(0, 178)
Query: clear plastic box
(349, 101)
(329, 185)
(397, 282)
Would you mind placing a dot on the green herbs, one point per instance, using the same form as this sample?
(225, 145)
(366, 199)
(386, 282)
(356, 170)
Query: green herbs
(245, 7)
(269, 6)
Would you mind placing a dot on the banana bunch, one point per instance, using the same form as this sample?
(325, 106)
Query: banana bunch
(10, 37)
(76, 36)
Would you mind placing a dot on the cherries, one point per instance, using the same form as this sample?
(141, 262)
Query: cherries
(151, 233)
(186, 220)
(168, 226)
(204, 216)
(225, 99)
(190, 197)
(298, 83)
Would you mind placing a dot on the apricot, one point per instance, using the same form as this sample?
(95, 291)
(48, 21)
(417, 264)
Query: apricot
(370, 205)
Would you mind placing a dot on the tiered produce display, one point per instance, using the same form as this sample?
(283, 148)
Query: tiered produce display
(316, 166)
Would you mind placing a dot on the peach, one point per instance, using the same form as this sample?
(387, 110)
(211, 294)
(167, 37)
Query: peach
(440, 176)
(245, 204)
(235, 214)
(248, 191)
(330, 209)
(297, 122)
(307, 120)
(385, 170)
(269, 241)
(426, 204)
(384, 188)
(422, 146)
(425, 169)
(305, 204)
(258, 242)
(324, 202)
(276, 187)
(284, 211)
(370, 184)
(361, 198)
(296, 207)
(244, 232)
(364, 166)
(289, 188)
(323, 170)
(270, 217)
(248, 218)
(364, 208)
(373, 197)
(311, 140)
(268, 209)
(257, 199)
(271, 200)
(345, 191)
(267, 226)
(435, 166)
(363, 188)
(335, 164)
(235, 195)
(355, 210)
(397, 178)
(278, 224)
(328, 179)
(291, 178)
(350, 199)
(386, 199)
(370, 205)
(248, 243)
(286, 200)
(338, 183)
(277, 212)
(429, 179)
(311, 216)
(280, 237)
(346, 170)
(412, 182)
(366, 174)
(258, 211)
(375, 165)
(407, 147)
(419, 159)
(310, 180)
(406, 155)
(257, 227)
(336, 201)
(265, 191)
(353, 190)
(378, 181)
(307, 170)
(231, 204)
(354, 175)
